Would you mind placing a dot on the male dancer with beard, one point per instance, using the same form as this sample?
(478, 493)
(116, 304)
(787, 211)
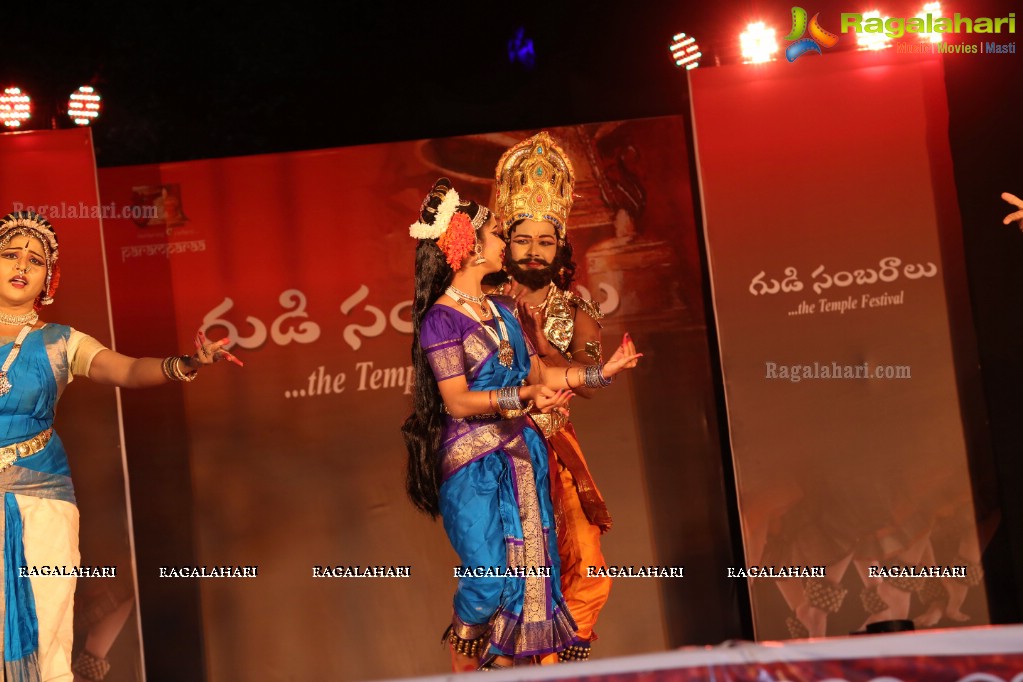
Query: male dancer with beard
(534, 196)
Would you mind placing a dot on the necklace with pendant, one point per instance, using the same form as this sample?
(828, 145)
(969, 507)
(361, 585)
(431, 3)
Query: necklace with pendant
(5, 383)
(505, 352)
(460, 295)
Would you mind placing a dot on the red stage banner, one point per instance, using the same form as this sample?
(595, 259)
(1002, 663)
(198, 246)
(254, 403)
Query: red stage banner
(295, 464)
(828, 201)
(54, 173)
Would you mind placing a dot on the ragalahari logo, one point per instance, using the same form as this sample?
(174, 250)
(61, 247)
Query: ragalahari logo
(818, 36)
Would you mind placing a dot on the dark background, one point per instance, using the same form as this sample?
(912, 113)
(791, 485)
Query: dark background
(188, 81)
(183, 81)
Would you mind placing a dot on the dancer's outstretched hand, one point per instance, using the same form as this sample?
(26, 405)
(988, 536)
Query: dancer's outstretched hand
(207, 352)
(625, 357)
(1018, 215)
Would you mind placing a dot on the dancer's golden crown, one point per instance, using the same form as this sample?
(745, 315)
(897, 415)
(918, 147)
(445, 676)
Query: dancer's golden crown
(535, 180)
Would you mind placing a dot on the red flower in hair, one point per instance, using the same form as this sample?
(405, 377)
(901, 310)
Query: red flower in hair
(54, 281)
(458, 240)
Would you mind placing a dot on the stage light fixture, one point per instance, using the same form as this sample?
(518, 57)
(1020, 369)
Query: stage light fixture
(15, 107)
(872, 41)
(685, 51)
(934, 9)
(84, 105)
(758, 43)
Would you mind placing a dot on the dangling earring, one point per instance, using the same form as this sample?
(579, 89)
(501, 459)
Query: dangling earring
(478, 250)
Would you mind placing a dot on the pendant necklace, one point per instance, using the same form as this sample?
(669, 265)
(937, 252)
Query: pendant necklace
(460, 295)
(505, 352)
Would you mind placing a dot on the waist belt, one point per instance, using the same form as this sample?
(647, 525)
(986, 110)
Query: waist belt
(9, 454)
(549, 423)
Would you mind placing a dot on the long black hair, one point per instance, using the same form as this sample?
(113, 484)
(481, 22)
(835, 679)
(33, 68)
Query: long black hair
(422, 428)
(564, 266)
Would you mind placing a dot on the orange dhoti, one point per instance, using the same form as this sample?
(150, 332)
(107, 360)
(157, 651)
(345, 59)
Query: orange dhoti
(581, 517)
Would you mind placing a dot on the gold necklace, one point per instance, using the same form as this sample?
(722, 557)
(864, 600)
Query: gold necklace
(460, 295)
(543, 304)
(505, 352)
(478, 300)
(31, 317)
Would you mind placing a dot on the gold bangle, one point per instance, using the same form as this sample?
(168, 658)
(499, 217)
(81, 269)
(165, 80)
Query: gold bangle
(165, 366)
(180, 365)
(172, 369)
(516, 413)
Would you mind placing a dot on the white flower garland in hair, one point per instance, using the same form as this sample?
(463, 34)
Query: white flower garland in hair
(445, 211)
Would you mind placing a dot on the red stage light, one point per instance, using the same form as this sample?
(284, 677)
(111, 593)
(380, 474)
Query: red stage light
(15, 107)
(84, 105)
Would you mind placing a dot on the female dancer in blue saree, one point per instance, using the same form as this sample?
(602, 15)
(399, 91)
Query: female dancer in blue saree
(475, 456)
(39, 519)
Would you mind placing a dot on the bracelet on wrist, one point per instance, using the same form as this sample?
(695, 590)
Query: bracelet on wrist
(519, 412)
(595, 377)
(165, 366)
(173, 369)
(508, 398)
(180, 367)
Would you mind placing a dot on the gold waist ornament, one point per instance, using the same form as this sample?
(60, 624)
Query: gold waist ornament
(550, 423)
(9, 454)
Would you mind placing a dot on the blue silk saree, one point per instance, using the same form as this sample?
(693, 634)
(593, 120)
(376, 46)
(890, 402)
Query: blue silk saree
(495, 498)
(39, 523)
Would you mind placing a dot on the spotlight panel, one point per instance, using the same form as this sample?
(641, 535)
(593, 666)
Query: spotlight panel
(685, 51)
(83, 106)
(758, 43)
(15, 107)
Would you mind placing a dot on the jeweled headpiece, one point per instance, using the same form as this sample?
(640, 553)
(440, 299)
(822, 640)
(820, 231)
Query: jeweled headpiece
(535, 181)
(444, 216)
(31, 224)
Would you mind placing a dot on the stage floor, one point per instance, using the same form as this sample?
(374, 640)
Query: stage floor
(977, 654)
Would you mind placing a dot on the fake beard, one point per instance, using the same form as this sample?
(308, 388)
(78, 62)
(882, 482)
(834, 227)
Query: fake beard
(534, 278)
